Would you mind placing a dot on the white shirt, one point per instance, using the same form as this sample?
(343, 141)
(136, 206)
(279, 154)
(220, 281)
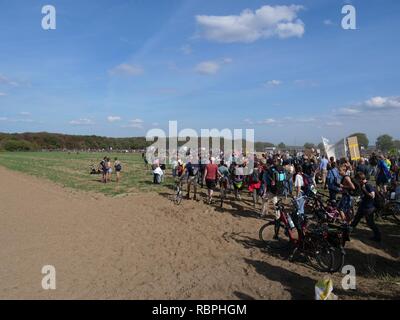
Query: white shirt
(158, 171)
(299, 182)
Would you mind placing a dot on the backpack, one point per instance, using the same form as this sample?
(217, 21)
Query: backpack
(118, 167)
(280, 178)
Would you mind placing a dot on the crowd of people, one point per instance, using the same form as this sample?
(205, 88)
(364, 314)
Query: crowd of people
(272, 176)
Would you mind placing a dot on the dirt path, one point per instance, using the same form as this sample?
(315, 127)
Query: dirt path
(144, 247)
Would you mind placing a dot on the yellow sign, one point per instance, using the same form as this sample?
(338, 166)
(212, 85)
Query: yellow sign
(354, 148)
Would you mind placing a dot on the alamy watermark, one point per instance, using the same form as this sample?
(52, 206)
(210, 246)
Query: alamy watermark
(49, 20)
(49, 279)
(223, 145)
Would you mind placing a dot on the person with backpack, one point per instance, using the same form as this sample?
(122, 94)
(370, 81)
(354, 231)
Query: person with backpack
(274, 178)
(104, 170)
(190, 174)
(280, 180)
(254, 185)
(383, 174)
(333, 181)
(237, 180)
(118, 169)
(367, 206)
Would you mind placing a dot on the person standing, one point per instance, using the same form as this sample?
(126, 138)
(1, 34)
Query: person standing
(109, 170)
(366, 208)
(117, 168)
(104, 170)
(323, 169)
(210, 177)
(362, 167)
(383, 174)
(346, 187)
(191, 172)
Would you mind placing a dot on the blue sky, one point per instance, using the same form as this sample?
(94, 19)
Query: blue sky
(119, 68)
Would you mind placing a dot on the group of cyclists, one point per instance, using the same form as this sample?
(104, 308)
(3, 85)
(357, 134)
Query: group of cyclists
(271, 177)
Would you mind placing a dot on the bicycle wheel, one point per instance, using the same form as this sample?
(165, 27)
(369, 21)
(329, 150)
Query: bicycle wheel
(394, 208)
(324, 256)
(273, 234)
(338, 259)
(178, 197)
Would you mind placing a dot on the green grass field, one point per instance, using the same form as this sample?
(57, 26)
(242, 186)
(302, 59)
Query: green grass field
(72, 170)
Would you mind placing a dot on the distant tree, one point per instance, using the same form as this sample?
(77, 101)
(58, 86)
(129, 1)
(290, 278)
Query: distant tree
(384, 142)
(281, 145)
(362, 139)
(18, 145)
(309, 145)
(321, 146)
(396, 144)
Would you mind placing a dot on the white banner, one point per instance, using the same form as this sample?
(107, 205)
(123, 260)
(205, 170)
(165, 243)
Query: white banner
(338, 151)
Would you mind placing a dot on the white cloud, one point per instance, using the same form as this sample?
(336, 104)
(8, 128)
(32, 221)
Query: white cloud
(135, 123)
(82, 122)
(374, 104)
(25, 113)
(212, 67)
(379, 103)
(3, 119)
(248, 121)
(348, 111)
(2, 94)
(249, 26)
(274, 83)
(126, 70)
(113, 118)
(328, 22)
(207, 67)
(268, 121)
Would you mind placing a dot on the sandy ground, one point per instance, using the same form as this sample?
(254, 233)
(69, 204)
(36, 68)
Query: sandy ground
(142, 246)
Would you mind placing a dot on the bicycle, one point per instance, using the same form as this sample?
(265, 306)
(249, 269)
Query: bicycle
(309, 241)
(388, 208)
(178, 192)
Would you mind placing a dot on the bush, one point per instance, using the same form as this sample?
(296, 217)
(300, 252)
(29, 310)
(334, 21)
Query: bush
(17, 145)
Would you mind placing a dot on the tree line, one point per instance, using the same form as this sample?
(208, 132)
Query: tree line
(55, 141)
